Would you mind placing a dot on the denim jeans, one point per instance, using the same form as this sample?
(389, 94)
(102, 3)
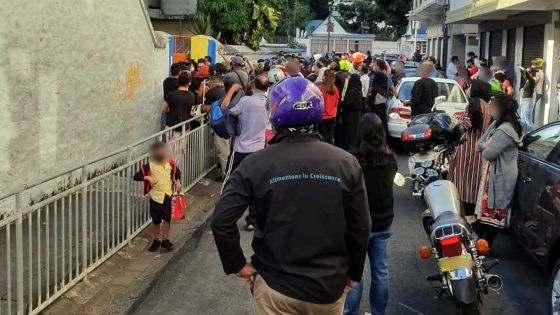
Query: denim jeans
(379, 289)
(526, 115)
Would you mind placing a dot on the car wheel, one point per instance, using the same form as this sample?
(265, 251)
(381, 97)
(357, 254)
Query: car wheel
(555, 290)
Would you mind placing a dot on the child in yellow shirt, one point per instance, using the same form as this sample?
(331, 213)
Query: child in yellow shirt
(161, 177)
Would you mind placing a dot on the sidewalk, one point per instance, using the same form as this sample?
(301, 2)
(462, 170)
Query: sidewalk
(117, 284)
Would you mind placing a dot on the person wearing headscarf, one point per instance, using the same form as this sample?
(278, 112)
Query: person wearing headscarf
(380, 93)
(352, 109)
(466, 165)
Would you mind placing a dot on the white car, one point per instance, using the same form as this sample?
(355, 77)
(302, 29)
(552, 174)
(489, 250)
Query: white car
(451, 98)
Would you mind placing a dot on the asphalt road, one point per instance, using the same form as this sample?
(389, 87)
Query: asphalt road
(196, 284)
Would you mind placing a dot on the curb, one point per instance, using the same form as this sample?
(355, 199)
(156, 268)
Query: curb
(185, 244)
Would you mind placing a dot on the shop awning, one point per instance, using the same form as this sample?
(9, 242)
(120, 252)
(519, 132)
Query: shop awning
(480, 10)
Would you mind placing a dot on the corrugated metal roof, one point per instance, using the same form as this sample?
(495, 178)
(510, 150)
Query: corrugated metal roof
(312, 26)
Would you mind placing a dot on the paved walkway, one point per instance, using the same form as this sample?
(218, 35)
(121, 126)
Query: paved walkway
(197, 285)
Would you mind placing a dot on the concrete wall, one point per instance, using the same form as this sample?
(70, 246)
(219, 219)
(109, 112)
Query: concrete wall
(457, 4)
(78, 79)
(175, 27)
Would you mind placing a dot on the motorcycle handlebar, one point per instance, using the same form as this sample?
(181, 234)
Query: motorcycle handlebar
(458, 143)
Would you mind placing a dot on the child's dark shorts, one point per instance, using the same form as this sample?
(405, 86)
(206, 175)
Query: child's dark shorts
(160, 211)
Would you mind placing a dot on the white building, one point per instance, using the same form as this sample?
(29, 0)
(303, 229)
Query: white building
(316, 39)
(415, 38)
(444, 41)
(172, 16)
(521, 30)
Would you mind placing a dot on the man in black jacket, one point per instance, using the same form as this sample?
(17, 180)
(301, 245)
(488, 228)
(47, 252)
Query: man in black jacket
(312, 212)
(424, 92)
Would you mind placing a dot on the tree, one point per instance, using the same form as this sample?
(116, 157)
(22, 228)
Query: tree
(358, 14)
(295, 14)
(241, 21)
(264, 21)
(385, 18)
(394, 14)
(320, 8)
(201, 24)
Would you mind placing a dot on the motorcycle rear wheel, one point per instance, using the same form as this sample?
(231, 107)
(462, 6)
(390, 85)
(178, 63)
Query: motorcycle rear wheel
(427, 224)
(469, 309)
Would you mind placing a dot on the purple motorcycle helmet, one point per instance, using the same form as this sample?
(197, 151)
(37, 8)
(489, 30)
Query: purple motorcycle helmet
(295, 102)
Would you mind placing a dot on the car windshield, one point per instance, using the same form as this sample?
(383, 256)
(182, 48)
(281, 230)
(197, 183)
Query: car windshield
(451, 91)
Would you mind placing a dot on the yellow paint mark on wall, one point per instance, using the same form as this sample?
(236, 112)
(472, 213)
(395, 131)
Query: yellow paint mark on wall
(125, 88)
(117, 88)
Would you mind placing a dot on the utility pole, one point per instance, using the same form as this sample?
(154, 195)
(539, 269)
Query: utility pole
(415, 24)
(330, 28)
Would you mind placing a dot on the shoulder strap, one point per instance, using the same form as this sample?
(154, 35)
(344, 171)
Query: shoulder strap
(145, 169)
(240, 80)
(173, 171)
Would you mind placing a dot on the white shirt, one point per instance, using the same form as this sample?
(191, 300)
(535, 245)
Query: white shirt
(365, 84)
(451, 71)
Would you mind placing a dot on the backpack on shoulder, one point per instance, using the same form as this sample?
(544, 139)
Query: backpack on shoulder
(224, 124)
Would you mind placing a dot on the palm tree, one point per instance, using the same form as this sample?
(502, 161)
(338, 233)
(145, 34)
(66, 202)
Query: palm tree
(201, 24)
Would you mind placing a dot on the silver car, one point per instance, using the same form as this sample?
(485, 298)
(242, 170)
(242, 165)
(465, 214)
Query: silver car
(451, 99)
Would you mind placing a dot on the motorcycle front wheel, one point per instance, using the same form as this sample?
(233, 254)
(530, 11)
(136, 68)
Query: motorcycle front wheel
(469, 309)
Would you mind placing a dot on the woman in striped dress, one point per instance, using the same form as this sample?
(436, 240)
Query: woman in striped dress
(466, 165)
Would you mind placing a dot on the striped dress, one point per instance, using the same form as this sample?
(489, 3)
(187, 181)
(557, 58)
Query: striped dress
(465, 168)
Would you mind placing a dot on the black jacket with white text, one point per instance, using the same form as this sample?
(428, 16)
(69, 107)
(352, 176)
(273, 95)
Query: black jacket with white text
(313, 221)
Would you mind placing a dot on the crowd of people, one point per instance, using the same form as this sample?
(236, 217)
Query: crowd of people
(320, 197)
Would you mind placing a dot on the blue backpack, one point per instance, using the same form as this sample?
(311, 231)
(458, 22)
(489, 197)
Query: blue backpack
(224, 124)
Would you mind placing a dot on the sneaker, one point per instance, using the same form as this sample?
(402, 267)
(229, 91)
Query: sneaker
(249, 227)
(166, 244)
(154, 246)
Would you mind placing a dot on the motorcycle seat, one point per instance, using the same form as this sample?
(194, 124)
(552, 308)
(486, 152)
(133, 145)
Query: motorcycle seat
(447, 218)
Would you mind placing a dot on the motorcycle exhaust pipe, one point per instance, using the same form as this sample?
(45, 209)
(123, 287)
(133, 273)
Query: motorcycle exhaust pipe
(494, 282)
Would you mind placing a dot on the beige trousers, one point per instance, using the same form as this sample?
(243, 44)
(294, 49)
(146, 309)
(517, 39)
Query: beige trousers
(267, 301)
(222, 151)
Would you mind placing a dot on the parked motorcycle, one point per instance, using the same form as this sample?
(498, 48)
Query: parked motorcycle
(430, 139)
(463, 269)
(427, 167)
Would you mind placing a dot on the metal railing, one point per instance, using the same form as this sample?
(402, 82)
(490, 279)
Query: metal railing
(48, 245)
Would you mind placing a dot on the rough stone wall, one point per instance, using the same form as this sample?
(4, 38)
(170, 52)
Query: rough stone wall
(78, 79)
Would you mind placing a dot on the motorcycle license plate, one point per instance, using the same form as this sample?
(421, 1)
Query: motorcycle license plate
(447, 264)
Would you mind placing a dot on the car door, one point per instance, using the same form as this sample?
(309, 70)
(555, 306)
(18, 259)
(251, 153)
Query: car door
(537, 198)
(455, 101)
